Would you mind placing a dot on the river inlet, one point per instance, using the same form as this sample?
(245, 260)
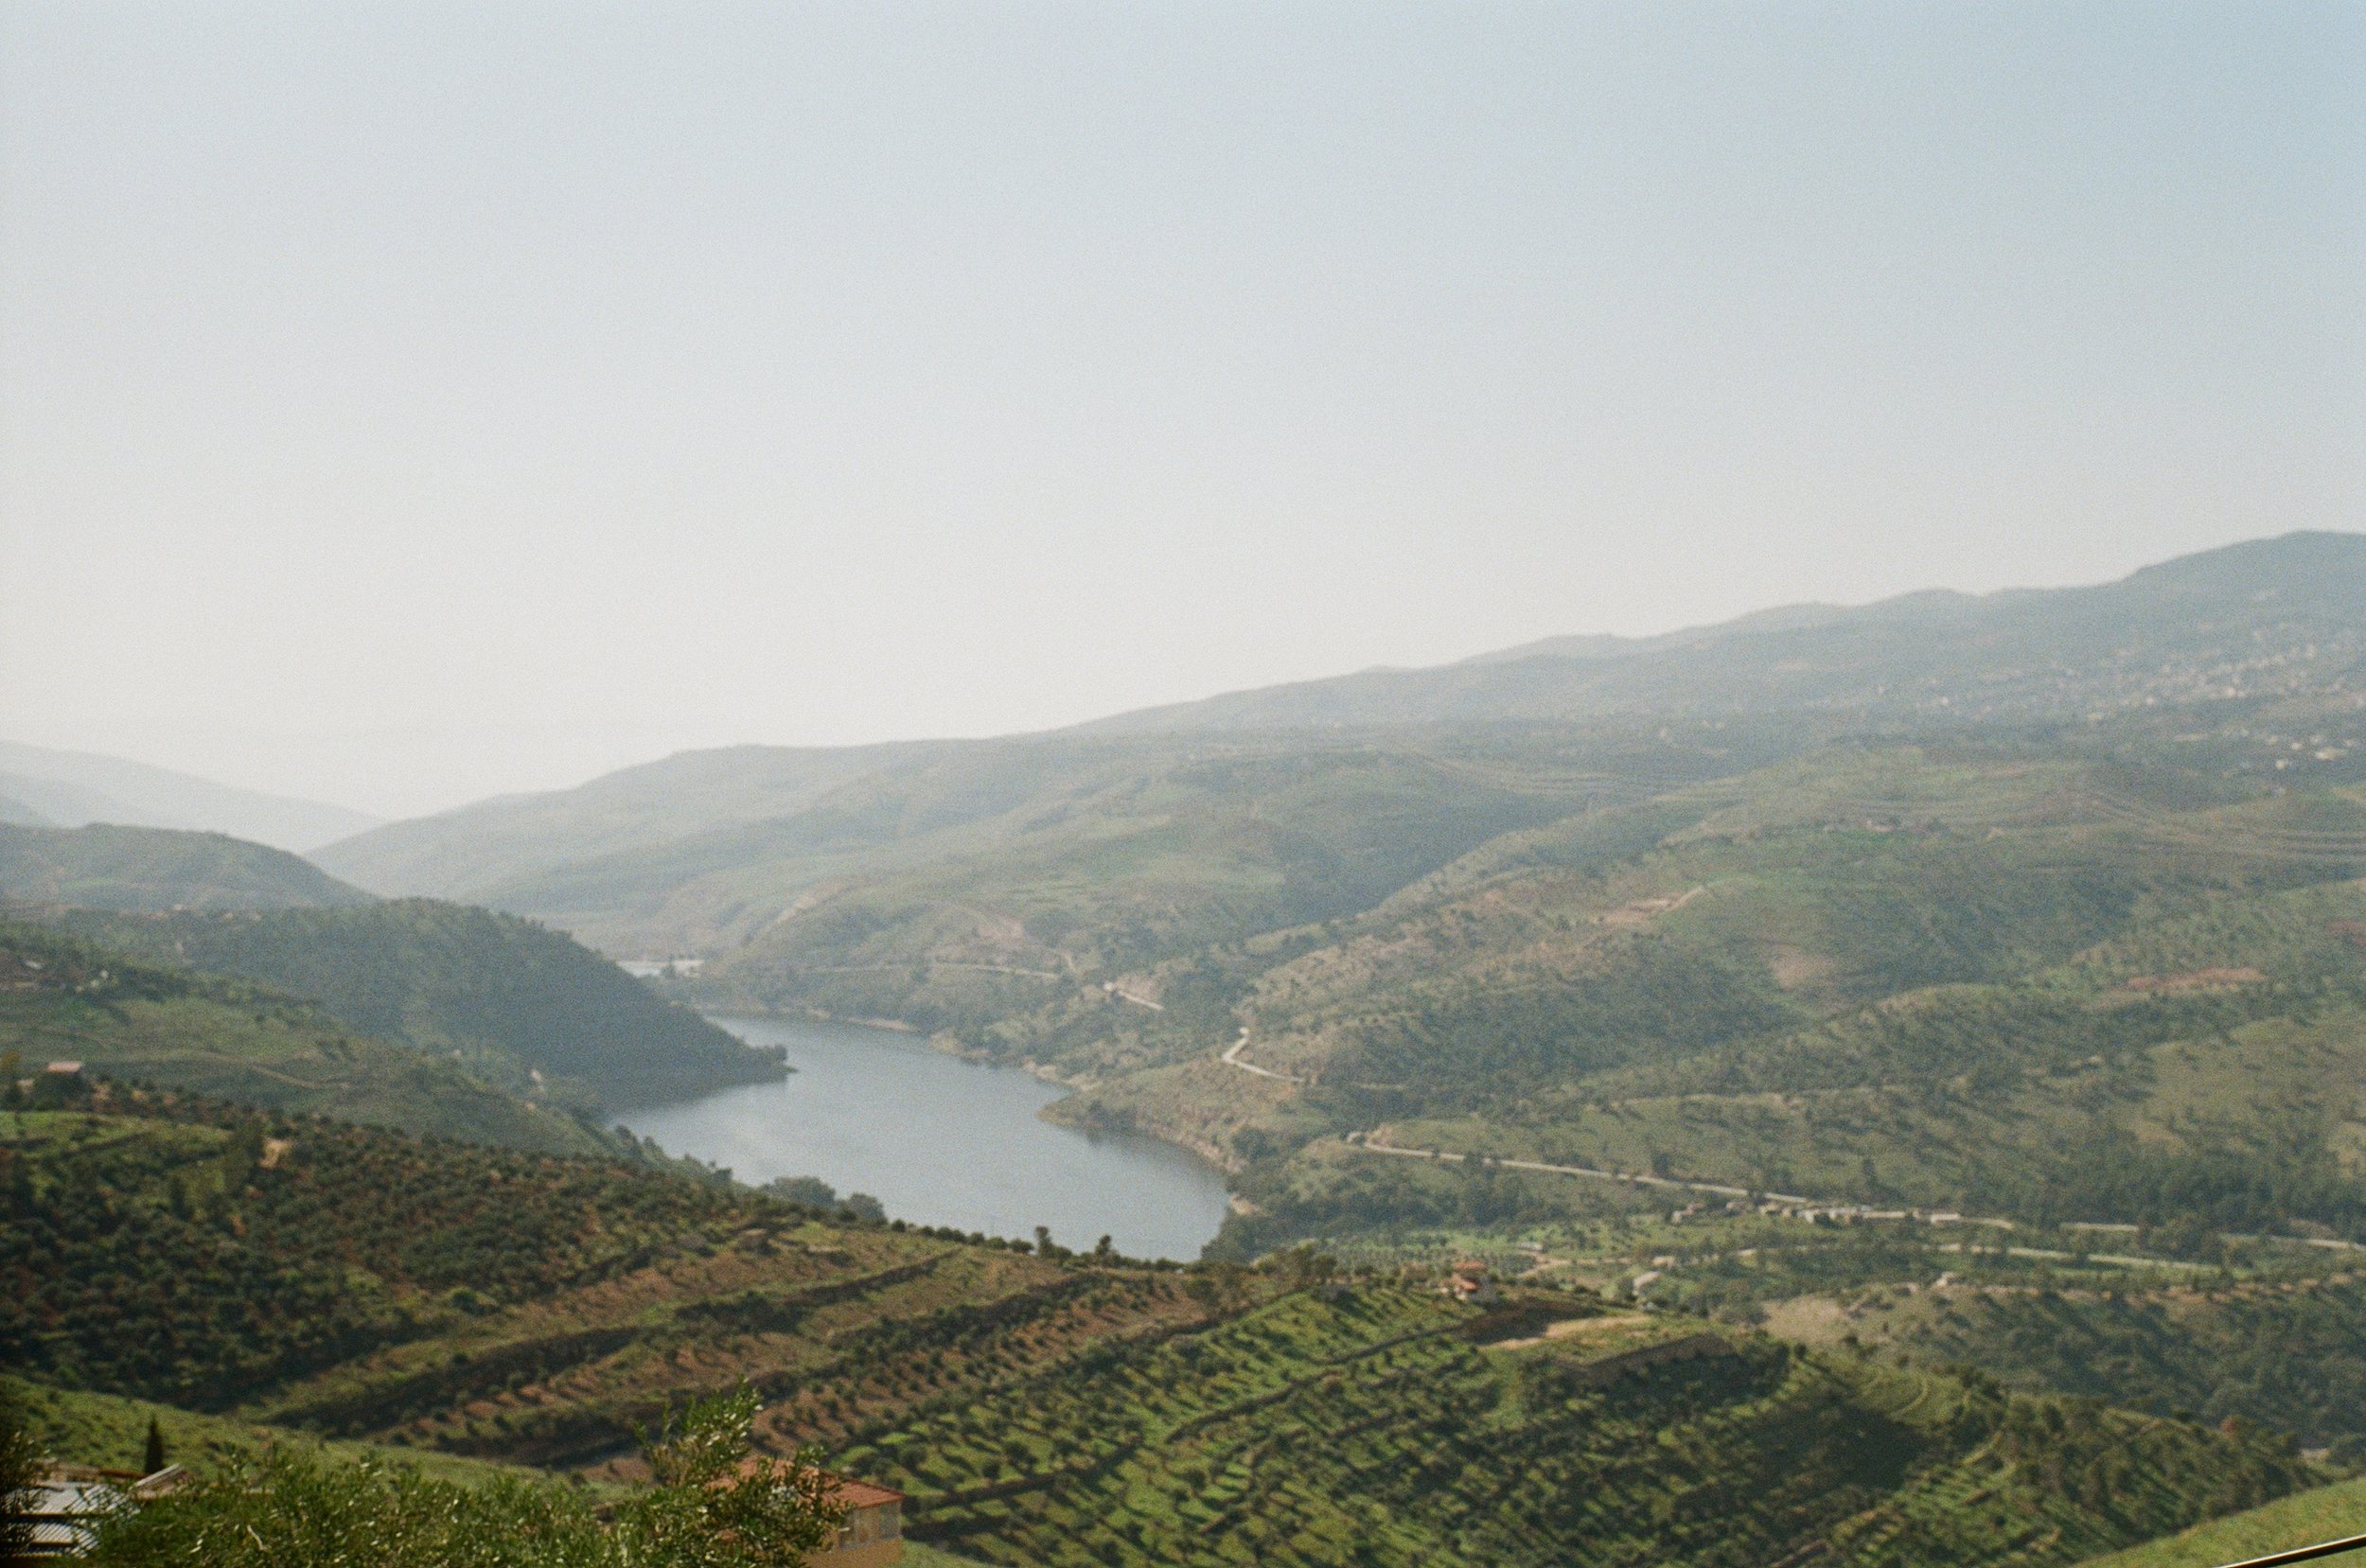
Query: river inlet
(941, 1141)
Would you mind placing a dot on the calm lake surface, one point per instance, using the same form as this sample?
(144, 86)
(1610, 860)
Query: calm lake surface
(941, 1141)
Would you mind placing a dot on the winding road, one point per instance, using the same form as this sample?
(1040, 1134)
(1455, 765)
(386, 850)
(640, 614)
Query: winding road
(1231, 1058)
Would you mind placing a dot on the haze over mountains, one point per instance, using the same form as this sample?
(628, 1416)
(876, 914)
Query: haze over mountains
(675, 853)
(1182, 787)
(2245, 622)
(40, 788)
(1813, 958)
(2240, 620)
(1592, 903)
(105, 866)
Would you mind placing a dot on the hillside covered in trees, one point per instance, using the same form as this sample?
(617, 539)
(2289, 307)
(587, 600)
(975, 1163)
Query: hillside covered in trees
(1039, 1407)
(106, 865)
(517, 1002)
(65, 1000)
(1903, 1065)
(2040, 904)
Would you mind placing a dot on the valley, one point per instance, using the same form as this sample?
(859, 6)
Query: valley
(1036, 1406)
(941, 1141)
(1878, 1086)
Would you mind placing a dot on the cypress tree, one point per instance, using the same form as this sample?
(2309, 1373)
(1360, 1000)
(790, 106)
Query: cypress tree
(153, 1458)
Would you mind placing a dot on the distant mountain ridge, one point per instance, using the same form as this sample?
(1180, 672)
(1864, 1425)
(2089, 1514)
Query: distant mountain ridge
(109, 866)
(72, 789)
(679, 795)
(2034, 654)
(613, 858)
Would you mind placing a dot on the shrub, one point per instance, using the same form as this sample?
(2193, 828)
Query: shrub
(711, 1507)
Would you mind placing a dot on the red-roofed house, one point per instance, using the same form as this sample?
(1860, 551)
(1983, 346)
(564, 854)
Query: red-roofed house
(873, 1535)
(1469, 1282)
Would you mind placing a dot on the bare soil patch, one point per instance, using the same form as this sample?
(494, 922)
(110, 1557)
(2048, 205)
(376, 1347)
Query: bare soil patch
(1795, 968)
(2194, 979)
(1807, 1319)
(1575, 1327)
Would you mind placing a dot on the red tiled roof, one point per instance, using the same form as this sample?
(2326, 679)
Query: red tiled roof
(863, 1494)
(856, 1495)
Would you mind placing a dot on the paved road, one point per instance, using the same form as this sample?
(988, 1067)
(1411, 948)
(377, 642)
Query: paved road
(1669, 1182)
(1793, 1200)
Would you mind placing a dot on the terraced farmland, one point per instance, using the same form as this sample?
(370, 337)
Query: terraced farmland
(839, 1331)
(1043, 1410)
(1373, 1429)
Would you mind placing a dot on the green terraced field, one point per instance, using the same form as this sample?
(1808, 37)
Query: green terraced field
(2179, 1069)
(2287, 1352)
(286, 1273)
(457, 1301)
(1371, 1429)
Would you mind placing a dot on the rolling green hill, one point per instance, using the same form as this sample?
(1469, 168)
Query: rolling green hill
(1909, 1065)
(2306, 1519)
(1371, 1429)
(520, 1004)
(109, 1432)
(1731, 849)
(107, 867)
(63, 1001)
(1058, 1410)
(2070, 1018)
(1138, 844)
(2097, 974)
(2288, 1352)
(705, 849)
(2045, 907)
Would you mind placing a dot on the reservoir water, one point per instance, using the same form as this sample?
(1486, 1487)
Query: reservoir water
(941, 1141)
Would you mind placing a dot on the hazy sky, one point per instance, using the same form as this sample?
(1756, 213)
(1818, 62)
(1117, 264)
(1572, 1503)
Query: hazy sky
(401, 403)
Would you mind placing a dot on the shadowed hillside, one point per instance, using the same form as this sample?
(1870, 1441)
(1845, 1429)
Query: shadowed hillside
(65, 1000)
(524, 1005)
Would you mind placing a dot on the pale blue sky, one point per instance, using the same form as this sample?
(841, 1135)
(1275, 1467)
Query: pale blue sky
(401, 403)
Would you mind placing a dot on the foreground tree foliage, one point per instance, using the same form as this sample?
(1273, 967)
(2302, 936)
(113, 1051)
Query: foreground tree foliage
(20, 1458)
(710, 1508)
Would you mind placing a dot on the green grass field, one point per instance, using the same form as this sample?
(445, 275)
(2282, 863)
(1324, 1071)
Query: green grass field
(111, 1432)
(2324, 1514)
